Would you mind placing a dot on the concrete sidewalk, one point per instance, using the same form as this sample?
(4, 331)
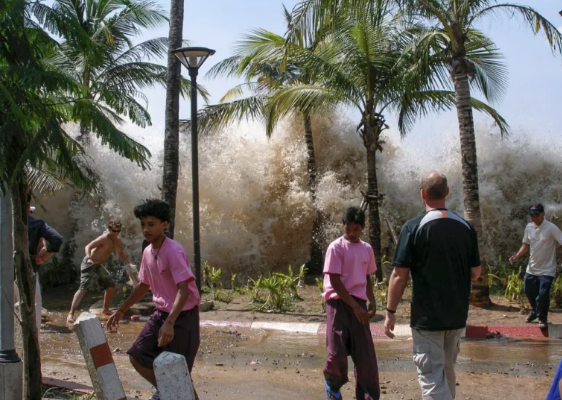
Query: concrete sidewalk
(377, 330)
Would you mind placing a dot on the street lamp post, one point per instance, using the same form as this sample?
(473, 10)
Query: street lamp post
(192, 58)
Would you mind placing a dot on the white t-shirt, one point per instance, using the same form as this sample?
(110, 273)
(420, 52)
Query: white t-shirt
(543, 240)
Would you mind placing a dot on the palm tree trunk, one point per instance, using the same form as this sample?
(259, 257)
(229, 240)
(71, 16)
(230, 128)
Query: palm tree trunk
(371, 136)
(171, 138)
(314, 265)
(25, 279)
(84, 136)
(480, 290)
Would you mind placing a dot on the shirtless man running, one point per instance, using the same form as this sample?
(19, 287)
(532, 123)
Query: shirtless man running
(93, 274)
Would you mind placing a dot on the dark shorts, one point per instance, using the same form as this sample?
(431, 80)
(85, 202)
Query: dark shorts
(185, 341)
(96, 278)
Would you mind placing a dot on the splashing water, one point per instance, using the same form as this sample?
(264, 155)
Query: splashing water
(257, 214)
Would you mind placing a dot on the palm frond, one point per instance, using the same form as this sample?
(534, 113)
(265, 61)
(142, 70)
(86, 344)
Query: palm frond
(154, 48)
(94, 116)
(216, 117)
(534, 20)
(414, 105)
(239, 90)
(491, 73)
(500, 121)
(305, 98)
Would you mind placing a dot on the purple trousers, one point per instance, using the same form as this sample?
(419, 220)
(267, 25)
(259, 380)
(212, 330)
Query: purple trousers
(345, 336)
(185, 341)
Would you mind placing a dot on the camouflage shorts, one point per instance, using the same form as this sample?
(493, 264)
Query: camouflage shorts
(96, 278)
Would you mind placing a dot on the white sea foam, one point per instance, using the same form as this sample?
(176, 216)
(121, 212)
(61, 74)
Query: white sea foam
(256, 212)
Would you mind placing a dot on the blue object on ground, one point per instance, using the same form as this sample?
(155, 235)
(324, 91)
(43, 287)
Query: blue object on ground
(330, 392)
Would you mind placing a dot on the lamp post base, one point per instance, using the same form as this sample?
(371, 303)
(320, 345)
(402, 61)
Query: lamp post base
(11, 385)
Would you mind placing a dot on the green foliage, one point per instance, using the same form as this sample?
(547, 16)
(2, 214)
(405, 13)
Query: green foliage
(509, 282)
(281, 289)
(97, 51)
(380, 290)
(557, 292)
(320, 285)
(235, 286)
(502, 271)
(514, 289)
(64, 394)
(254, 286)
(214, 278)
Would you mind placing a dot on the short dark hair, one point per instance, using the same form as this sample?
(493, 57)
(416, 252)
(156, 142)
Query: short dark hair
(354, 215)
(435, 186)
(153, 208)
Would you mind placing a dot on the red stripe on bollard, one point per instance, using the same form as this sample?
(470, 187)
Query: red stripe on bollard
(101, 355)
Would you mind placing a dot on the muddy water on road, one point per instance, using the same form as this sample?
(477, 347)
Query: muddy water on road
(255, 364)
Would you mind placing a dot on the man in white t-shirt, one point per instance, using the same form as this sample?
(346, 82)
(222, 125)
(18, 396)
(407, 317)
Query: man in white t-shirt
(541, 238)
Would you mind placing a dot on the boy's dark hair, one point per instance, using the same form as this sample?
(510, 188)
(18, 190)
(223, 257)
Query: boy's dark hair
(354, 215)
(153, 208)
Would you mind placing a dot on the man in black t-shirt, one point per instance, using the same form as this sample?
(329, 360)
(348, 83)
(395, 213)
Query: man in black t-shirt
(440, 250)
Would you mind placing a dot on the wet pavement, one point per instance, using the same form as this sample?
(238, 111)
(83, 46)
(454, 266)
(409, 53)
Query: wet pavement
(255, 364)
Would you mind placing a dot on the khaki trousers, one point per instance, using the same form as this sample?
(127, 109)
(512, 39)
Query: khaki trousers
(435, 355)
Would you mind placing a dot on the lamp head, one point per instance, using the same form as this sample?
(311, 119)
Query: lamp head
(193, 57)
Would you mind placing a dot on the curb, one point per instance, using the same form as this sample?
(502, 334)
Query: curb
(404, 330)
(69, 385)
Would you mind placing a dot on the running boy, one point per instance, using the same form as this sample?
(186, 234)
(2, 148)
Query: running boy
(347, 286)
(165, 270)
(93, 274)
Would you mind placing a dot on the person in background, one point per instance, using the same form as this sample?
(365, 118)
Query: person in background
(347, 287)
(542, 238)
(165, 270)
(93, 274)
(44, 241)
(440, 250)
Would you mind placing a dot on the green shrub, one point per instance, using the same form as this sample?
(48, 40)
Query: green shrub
(557, 292)
(380, 290)
(282, 289)
(320, 285)
(214, 280)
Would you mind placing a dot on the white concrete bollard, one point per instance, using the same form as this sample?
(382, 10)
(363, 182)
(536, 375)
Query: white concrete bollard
(133, 274)
(99, 360)
(172, 377)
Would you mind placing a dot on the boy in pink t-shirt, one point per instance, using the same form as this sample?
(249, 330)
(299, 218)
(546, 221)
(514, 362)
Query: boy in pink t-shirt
(165, 270)
(347, 287)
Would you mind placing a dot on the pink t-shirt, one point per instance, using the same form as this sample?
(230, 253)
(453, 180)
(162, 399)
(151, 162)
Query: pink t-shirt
(162, 270)
(353, 262)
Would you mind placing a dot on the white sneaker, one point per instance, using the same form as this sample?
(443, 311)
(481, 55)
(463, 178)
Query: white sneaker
(155, 396)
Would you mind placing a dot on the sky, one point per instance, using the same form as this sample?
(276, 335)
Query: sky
(532, 103)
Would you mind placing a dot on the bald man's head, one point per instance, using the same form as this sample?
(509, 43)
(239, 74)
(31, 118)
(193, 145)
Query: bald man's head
(435, 186)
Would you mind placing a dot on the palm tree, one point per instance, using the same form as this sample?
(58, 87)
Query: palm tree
(467, 57)
(261, 60)
(37, 100)
(171, 135)
(97, 51)
(369, 69)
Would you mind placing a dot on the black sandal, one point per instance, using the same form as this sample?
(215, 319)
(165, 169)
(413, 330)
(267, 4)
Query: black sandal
(531, 317)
